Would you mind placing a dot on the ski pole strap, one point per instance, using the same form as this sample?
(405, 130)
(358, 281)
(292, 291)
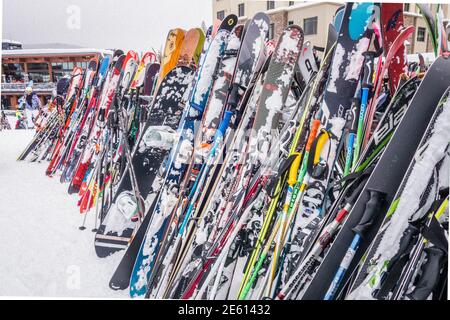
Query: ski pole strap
(430, 274)
(432, 229)
(435, 234)
(364, 174)
(397, 263)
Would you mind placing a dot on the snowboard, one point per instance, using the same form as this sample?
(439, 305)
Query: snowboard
(154, 145)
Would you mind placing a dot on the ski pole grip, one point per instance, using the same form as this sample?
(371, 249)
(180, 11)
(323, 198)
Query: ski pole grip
(321, 142)
(364, 99)
(197, 106)
(354, 115)
(430, 274)
(370, 213)
(369, 58)
(225, 123)
(313, 134)
(233, 97)
(294, 169)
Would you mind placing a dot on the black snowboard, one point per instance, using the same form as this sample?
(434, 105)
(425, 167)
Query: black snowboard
(153, 147)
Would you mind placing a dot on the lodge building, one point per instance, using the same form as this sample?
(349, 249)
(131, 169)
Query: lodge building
(43, 66)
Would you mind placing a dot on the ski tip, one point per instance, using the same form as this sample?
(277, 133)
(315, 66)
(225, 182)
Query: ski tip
(229, 22)
(120, 285)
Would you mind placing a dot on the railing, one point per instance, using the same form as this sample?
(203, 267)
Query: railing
(37, 87)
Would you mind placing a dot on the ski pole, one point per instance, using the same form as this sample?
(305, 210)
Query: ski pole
(298, 278)
(292, 180)
(367, 84)
(96, 206)
(352, 127)
(430, 269)
(360, 230)
(195, 192)
(304, 167)
(303, 178)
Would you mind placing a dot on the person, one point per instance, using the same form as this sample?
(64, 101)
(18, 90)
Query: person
(4, 121)
(21, 120)
(32, 105)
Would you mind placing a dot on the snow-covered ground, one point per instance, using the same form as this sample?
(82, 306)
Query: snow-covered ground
(42, 251)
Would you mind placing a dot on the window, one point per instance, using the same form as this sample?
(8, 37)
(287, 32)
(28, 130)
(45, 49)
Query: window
(60, 69)
(82, 64)
(13, 72)
(38, 72)
(270, 5)
(290, 22)
(291, 3)
(406, 7)
(310, 26)
(6, 104)
(271, 31)
(241, 10)
(221, 14)
(420, 34)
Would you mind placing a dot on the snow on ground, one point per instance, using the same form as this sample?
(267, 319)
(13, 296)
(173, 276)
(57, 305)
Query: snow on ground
(42, 251)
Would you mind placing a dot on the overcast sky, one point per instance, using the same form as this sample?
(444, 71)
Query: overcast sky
(126, 24)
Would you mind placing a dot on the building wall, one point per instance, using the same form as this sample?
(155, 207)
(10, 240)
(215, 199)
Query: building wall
(280, 20)
(423, 46)
(250, 7)
(324, 11)
(282, 14)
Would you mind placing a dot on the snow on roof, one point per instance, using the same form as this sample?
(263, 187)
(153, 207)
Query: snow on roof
(412, 14)
(302, 5)
(11, 41)
(414, 57)
(53, 52)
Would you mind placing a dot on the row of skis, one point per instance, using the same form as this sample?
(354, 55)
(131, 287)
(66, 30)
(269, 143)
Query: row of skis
(233, 167)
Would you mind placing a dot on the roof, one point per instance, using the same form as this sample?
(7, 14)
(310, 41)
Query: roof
(11, 41)
(296, 7)
(303, 5)
(51, 45)
(429, 57)
(53, 52)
